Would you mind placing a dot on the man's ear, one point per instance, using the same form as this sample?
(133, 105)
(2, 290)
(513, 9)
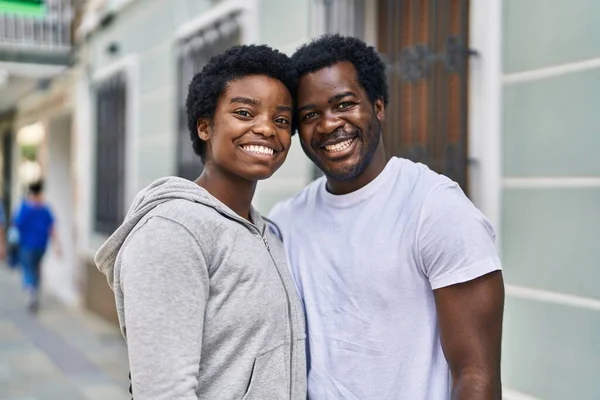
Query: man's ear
(379, 109)
(203, 129)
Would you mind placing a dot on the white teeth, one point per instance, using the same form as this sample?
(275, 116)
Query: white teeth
(339, 146)
(258, 149)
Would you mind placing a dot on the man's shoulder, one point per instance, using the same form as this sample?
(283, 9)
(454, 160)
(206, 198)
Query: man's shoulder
(418, 179)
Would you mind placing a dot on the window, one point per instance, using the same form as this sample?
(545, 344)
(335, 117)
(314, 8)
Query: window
(109, 210)
(346, 17)
(424, 46)
(194, 53)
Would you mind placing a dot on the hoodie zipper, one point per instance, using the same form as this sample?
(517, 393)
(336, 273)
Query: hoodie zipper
(285, 289)
(289, 304)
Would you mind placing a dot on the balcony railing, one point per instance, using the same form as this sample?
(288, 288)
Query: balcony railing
(35, 38)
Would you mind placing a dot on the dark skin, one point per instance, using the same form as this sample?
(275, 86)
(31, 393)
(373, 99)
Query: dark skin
(470, 322)
(333, 104)
(333, 108)
(247, 139)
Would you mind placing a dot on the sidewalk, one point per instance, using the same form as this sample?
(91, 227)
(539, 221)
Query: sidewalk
(58, 354)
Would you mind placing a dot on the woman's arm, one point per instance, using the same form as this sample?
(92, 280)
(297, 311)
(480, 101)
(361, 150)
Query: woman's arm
(165, 288)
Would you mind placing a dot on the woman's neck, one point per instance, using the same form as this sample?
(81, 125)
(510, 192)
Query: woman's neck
(235, 192)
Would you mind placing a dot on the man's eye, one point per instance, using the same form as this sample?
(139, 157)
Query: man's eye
(282, 121)
(309, 115)
(344, 104)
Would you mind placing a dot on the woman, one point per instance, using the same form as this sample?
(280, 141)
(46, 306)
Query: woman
(204, 298)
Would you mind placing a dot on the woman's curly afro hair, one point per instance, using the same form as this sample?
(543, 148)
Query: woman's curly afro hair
(328, 50)
(235, 63)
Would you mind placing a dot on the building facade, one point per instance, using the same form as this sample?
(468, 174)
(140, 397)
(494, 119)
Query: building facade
(550, 198)
(36, 44)
(490, 93)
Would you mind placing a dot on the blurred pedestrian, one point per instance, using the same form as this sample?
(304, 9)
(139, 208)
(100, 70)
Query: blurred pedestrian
(204, 296)
(34, 222)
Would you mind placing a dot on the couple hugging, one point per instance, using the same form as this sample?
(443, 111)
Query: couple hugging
(380, 280)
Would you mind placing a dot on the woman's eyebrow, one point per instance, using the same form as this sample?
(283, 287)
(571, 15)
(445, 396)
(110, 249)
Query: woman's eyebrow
(245, 100)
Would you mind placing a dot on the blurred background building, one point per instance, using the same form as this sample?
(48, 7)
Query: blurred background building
(500, 95)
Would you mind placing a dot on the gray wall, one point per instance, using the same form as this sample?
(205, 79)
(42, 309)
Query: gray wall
(550, 216)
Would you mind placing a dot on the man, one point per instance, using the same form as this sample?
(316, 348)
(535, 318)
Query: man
(35, 222)
(397, 269)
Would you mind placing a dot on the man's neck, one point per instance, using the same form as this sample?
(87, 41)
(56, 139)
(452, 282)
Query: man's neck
(235, 193)
(36, 198)
(375, 167)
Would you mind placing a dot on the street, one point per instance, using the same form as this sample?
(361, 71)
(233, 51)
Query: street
(60, 353)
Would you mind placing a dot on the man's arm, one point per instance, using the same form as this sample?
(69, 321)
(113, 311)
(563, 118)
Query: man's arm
(459, 257)
(470, 324)
(55, 241)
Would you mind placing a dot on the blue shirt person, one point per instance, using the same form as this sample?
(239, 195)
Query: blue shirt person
(35, 223)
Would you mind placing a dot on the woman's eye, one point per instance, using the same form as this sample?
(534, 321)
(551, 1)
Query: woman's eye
(243, 113)
(343, 105)
(282, 121)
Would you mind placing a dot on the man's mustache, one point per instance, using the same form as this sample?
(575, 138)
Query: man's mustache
(336, 136)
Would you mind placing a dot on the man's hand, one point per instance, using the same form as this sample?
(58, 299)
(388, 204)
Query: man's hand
(58, 251)
(470, 324)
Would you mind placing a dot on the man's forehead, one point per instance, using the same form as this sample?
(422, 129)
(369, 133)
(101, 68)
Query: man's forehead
(329, 81)
(339, 72)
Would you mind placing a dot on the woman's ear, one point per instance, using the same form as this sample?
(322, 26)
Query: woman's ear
(203, 129)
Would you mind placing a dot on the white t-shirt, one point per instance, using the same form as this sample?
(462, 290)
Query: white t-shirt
(365, 265)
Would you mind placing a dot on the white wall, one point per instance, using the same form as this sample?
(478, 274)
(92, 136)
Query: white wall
(60, 274)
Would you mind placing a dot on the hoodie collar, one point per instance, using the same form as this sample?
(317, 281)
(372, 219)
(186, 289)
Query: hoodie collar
(159, 192)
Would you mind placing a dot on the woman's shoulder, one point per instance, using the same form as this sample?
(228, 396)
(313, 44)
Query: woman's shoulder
(197, 218)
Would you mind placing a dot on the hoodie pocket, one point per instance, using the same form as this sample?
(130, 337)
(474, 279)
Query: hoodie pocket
(268, 380)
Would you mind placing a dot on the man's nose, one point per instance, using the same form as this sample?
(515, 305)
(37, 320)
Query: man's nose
(330, 123)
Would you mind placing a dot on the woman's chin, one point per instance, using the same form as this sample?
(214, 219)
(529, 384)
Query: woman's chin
(258, 174)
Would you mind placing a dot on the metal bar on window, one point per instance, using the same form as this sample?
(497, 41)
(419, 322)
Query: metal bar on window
(109, 209)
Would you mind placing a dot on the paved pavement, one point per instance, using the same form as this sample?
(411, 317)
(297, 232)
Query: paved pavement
(58, 354)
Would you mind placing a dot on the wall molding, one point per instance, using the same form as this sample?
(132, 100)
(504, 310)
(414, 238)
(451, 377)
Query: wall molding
(546, 296)
(551, 183)
(551, 72)
(511, 394)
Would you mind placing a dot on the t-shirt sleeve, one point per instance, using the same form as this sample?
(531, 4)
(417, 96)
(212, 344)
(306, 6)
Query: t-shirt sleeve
(455, 241)
(165, 288)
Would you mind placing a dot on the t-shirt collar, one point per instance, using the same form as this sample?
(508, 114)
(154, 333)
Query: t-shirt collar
(364, 193)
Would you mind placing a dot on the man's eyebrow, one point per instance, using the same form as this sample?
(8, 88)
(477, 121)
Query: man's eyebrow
(340, 96)
(245, 100)
(331, 100)
(307, 107)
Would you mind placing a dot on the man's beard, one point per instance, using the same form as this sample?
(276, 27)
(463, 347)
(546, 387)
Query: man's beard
(350, 172)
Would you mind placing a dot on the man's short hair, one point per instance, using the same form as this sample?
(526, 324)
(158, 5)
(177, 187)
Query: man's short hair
(36, 187)
(235, 63)
(328, 50)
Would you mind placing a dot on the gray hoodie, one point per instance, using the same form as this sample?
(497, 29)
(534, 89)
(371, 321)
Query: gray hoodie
(205, 300)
